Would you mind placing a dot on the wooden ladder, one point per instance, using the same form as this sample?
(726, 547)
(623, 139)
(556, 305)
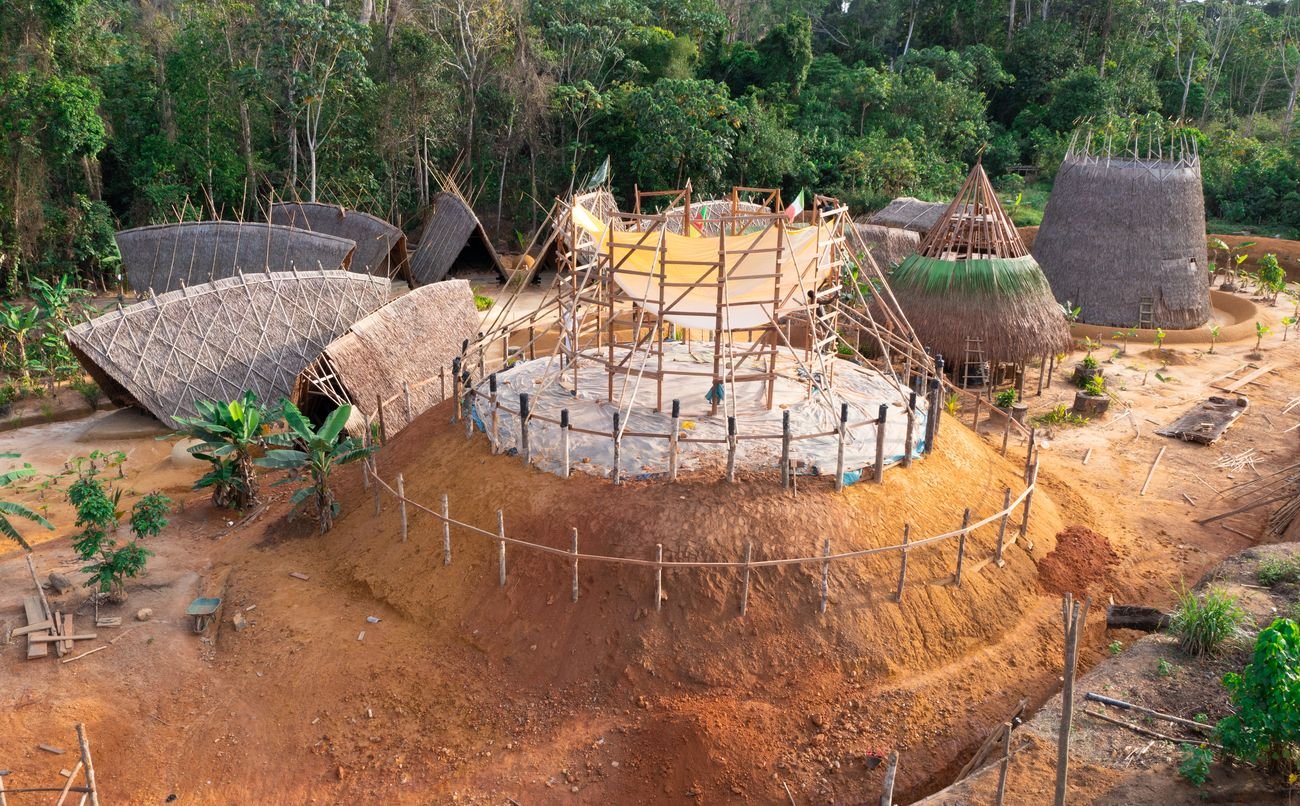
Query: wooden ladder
(1146, 313)
(974, 358)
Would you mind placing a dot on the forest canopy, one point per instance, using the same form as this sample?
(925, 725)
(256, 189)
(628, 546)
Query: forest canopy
(116, 114)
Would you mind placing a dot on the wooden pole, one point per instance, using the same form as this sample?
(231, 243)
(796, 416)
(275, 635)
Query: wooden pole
(1076, 614)
(891, 772)
(1029, 497)
(659, 576)
(442, 383)
(455, 389)
(446, 531)
(523, 429)
(575, 564)
(1005, 766)
(744, 588)
(406, 396)
(909, 441)
(383, 429)
(1152, 471)
(40, 590)
(902, 566)
(375, 492)
(961, 544)
(839, 451)
(564, 443)
(63, 795)
(785, 449)
(494, 409)
(826, 575)
(975, 421)
(1029, 454)
(1006, 432)
(880, 443)
(672, 440)
(84, 742)
(1002, 526)
(932, 405)
(618, 450)
(501, 554)
(731, 448)
(1051, 368)
(401, 503)
(1042, 373)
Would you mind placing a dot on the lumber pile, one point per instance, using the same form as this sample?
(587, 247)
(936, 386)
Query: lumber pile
(46, 628)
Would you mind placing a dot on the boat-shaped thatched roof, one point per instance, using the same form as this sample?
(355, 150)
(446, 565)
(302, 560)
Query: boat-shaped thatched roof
(165, 257)
(381, 247)
(251, 332)
(889, 246)
(412, 339)
(906, 212)
(1121, 228)
(973, 279)
(451, 238)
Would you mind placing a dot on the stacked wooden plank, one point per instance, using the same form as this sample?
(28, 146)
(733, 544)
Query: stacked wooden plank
(45, 627)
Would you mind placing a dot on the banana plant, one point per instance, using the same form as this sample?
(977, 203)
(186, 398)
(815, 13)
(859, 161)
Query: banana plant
(21, 325)
(317, 452)
(1214, 335)
(229, 434)
(1261, 330)
(14, 509)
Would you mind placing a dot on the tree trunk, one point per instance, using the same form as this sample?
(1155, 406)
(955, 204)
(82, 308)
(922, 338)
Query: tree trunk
(1187, 86)
(911, 25)
(1290, 104)
(246, 150)
(367, 12)
(1106, 21)
(1011, 23)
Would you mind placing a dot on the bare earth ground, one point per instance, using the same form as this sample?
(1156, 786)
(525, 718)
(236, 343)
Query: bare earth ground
(462, 692)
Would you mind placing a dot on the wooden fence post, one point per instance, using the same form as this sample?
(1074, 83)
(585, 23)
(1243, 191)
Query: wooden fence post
(975, 421)
(731, 448)
(455, 389)
(902, 566)
(446, 531)
(1042, 371)
(496, 413)
(938, 397)
(1002, 526)
(826, 575)
(1051, 369)
(523, 429)
(564, 443)
(401, 502)
(1029, 497)
(618, 451)
(961, 544)
(575, 563)
(1029, 454)
(442, 384)
(501, 533)
(891, 772)
(931, 416)
(1006, 432)
(1005, 766)
(84, 744)
(659, 576)
(880, 443)
(785, 449)
(909, 441)
(378, 503)
(672, 440)
(1076, 615)
(839, 452)
(744, 588)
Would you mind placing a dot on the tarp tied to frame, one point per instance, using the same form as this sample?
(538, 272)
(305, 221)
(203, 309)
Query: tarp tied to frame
(688, 265)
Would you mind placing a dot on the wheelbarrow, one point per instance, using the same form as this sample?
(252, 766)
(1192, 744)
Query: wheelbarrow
(203, 609)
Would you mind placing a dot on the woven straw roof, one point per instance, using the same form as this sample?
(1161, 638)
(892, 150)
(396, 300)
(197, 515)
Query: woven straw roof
(908, 213)
(381, 247)
(889, 246)
(409, 339)
(973, 278)
(715, 209)
(1117, 229)
(214, 341)
(450, 226)
(166, 257)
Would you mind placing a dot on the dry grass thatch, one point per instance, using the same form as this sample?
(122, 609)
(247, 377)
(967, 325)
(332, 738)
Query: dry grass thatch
(410, 339)
(381, 247)
(452, 234)
(1119, 229)
(889, 246)
(908, 213)
(166, 257)
(252, 332)
(707, 215)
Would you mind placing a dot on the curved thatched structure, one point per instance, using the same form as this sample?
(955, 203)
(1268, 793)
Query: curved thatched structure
(452, 238)
(711, 210)
(381, 247)
(973, 279)
(217, 340)
(410, 339)
(1121, 230)
(165, 257)
(889, 246)
(908, 213)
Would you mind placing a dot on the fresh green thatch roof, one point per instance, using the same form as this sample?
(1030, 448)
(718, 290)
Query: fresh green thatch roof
(970, 278)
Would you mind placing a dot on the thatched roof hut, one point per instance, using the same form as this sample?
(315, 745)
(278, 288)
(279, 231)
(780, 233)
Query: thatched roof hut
(165, 257)
(453, 239)
(1121, 230)
(411, 339)
(381, 247)
(973, 279)
(889, 246)
(251, 332)
(908, 213)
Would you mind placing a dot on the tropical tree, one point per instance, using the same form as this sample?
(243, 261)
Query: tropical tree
(21, 324)
(1265, 725)
(11, 508)
(1272, 277)
(1261, 330)
(229, 435)
(316, 451)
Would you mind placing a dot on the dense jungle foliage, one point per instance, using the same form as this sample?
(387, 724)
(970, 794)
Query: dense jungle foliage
(117, 113)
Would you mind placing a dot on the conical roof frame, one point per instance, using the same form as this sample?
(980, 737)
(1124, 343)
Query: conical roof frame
(974, 225)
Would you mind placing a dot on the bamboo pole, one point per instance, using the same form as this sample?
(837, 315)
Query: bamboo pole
(523, 429)
(1005, 765)
(1151, 473)
(744, 588)
(575, 564)
(909, 441)
(785, 449)
(961, 545)
(659, 576)
(731, 448)
(880, 443)
(1002, 527)
(84, 742)
(1076, 614)
(446, 531)
(839, 451)
(401, 503)
(564, 443)
(902, 566)
(1029, 497)
(826, 575)
(501, 554)
(67, 786)
(891, 772)
(672, 440)
(618, 450)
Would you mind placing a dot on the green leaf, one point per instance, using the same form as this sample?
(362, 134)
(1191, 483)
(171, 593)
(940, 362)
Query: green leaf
(329, 432)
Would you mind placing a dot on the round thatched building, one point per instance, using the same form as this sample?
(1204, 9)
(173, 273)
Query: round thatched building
(972, 292)
(1123, 238)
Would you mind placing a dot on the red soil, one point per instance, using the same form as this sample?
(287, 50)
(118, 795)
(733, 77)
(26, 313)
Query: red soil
(1081, 559)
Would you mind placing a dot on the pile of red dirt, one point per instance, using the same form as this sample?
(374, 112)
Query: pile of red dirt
(1080, 560)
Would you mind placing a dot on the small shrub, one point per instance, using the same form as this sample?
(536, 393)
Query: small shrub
(1096, 386)
(1195, 766)
(1115, 647)
(1275, 570)
(1203, 623)
(952, 403)
(1266, 695)
(149, 515)
(86, 388)
(481, 303)
(1060, 415)
(1164, 668)
(1005, 399)
(1089, 362)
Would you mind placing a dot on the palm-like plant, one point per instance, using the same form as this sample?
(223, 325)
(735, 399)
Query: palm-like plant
(59, 301)
(8, 508)
(1261, 330)
(1214, 335)
(20, 324)
(318, 452)
(229, 434)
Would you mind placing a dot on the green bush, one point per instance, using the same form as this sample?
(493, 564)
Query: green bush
(1005, 399)
(1203, 623)
(1274, 570)
(1195, 766)
(481, 303)
(1026, 217)
(1096, 385)
(1266, 695)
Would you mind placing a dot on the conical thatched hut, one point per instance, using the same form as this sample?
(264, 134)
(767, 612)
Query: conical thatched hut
(1123, 236)
(165, 257)
(452, 239)
(412, 339)
(381, 247)
(974, 285)
(252, 332)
